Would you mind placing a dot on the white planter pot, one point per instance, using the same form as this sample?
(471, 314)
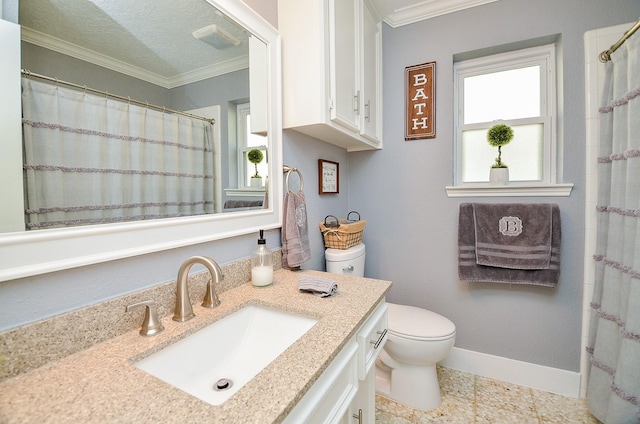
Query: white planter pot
(499, 176)
(256, 182)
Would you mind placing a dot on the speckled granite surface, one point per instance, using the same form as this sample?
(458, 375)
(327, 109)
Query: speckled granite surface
(30, 346)
(99, 384)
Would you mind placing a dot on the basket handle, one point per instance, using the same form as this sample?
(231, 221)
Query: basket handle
(356, 212)
(331, 224)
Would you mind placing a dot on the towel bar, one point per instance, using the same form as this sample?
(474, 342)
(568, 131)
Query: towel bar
(289, 170)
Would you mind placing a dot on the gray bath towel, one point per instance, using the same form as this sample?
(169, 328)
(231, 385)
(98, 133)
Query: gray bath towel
(470, 270)
(319, 286)
(295, 232)
(514, 235)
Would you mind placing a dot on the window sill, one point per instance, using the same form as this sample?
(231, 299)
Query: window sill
(244, 192)
(511, 190)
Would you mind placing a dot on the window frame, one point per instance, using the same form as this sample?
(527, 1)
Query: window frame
(242, 111)
(543, 56)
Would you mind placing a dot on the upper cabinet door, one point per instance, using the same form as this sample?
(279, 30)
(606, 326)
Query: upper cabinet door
(344, 69)
(331, 69)
(371, 126)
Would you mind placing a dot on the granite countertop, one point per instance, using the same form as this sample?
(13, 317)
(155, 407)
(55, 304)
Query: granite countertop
(100, 384)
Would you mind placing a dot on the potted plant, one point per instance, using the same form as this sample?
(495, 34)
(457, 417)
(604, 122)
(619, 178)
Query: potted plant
(498, 136)
(255, 156)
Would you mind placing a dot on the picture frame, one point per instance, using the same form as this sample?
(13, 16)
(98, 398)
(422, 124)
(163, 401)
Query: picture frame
(328, 177)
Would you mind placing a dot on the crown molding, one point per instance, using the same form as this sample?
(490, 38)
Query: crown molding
(221, 68)
(52, 43)
(429, 9)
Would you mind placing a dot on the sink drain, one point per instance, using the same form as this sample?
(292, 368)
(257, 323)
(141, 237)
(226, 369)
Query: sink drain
(222, 384)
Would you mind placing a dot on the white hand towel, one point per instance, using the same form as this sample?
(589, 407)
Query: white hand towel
(319, 286)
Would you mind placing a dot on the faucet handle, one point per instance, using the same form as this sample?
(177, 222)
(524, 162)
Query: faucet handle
(151, 324)
(211, 299)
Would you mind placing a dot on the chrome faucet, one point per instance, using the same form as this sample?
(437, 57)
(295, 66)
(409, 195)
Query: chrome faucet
(183, 310)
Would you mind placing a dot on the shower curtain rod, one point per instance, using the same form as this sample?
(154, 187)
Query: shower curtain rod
(30, 74)
(605, 56)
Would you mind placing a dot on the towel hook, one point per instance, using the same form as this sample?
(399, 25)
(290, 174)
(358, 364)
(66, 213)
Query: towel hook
(289, 170)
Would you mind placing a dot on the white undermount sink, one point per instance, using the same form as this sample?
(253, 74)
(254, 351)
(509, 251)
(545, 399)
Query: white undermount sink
(215, 362)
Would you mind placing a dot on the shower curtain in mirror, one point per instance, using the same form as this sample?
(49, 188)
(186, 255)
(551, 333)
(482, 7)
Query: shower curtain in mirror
(614, 341)
(90, 159)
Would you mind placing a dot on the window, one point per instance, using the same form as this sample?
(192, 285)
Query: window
(517, 89)
(246, 142)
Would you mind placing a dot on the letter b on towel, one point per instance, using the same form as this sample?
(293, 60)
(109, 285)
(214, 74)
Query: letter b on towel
(510, 226)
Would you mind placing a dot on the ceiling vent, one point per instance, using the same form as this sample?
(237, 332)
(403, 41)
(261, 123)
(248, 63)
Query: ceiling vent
(216, 36)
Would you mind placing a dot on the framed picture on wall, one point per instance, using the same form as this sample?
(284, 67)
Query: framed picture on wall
(328, 177)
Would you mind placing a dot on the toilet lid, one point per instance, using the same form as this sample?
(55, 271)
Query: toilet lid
(418, 323)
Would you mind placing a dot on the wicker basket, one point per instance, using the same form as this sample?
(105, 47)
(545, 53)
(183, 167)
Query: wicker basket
(342, 233)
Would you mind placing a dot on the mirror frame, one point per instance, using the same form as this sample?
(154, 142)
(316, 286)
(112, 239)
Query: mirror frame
(24, 254)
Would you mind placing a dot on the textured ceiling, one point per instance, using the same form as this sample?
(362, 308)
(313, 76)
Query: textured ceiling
(152, 40)
(151, 35)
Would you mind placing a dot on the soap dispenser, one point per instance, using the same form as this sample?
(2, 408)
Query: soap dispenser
(261, 264)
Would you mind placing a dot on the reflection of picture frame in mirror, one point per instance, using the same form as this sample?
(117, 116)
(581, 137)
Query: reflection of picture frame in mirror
(328, 177)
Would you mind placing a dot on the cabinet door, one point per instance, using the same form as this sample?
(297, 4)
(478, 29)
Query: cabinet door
(371, 74)
(363, 408)
(344, 66)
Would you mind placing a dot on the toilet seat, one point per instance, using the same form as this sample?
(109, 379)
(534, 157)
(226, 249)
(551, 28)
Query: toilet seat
(415, 323)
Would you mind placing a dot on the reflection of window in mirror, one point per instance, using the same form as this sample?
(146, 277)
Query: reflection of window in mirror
(246, 142)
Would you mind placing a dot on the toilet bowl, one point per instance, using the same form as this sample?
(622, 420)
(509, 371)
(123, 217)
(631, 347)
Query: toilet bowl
(417, 339)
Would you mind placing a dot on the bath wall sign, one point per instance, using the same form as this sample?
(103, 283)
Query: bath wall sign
(420, 101)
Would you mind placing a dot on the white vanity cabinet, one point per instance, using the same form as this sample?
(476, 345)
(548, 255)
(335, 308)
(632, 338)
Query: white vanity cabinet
(332, 71)
(345, 392)
(371, 339)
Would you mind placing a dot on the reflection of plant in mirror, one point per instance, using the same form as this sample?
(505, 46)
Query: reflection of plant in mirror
(498, 136)
(255, 156)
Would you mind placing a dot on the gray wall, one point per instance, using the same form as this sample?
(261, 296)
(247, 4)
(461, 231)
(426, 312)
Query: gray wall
(411, 234)
(303, 152)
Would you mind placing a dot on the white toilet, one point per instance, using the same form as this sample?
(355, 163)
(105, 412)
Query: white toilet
(417, 340)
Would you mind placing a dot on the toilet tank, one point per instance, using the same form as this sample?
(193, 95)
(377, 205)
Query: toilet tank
(346, 261)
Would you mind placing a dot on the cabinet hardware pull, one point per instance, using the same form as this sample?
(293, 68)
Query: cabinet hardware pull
(358, 416)
(356, 102)
(376, 343)
(367, 111)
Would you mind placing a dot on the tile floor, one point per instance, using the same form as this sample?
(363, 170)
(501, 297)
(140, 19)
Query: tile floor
(470, 399)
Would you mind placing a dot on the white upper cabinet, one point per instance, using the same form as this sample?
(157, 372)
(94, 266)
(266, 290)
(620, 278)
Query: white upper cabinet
(332, 71)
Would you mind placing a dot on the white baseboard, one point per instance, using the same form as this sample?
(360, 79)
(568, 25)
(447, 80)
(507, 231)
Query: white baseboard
(554, 380)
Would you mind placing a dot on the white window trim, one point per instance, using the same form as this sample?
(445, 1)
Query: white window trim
(242, 110)
(544, 56)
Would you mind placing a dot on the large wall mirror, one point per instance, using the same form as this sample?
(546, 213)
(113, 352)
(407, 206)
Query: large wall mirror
(132, 127)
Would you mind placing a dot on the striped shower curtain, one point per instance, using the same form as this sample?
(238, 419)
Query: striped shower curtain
(614, 341)
(90, 159)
